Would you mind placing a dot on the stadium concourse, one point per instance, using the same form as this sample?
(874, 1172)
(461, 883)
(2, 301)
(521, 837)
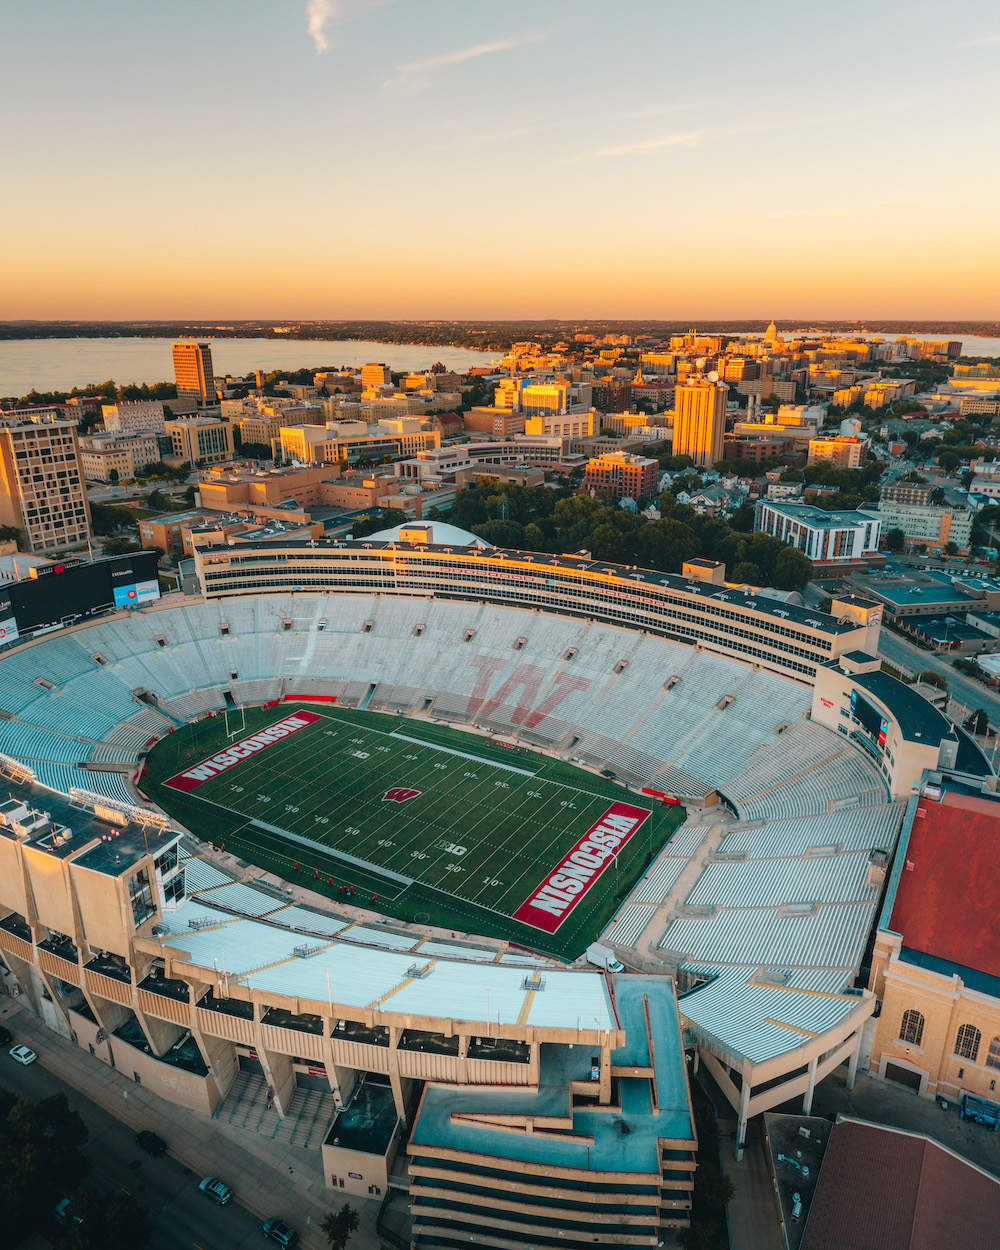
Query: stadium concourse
(760, 905)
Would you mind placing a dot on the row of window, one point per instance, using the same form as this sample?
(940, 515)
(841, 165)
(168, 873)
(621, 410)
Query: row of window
(603, 599)
(223, 582)
(967, 1040)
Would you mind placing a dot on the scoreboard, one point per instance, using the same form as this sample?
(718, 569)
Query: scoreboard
(61, 594)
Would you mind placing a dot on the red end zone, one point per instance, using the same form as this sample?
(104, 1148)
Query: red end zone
(552, 901)
(193, 777)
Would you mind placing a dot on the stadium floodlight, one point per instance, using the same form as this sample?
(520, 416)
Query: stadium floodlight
(117, 810)
(16, 770)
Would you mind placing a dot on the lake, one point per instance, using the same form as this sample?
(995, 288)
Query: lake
(61, 364)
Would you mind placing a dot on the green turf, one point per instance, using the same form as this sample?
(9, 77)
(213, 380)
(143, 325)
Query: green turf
(483, 832)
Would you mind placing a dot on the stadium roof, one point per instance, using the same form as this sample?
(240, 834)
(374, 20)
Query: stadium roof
(262, 956)
(443, 535)
(945, 902)
(757, 1018)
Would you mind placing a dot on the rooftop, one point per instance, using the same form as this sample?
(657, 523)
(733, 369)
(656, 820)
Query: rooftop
(618, 1139)
(945, 903)
(881, 1188)
(818, 518)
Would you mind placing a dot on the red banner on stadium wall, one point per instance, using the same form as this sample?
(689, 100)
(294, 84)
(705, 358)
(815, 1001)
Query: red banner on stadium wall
(193, 777)
(552, 901)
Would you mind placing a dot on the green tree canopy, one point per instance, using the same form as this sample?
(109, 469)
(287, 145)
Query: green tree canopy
(40, 1159)
(339, 1226)
(107, 1222)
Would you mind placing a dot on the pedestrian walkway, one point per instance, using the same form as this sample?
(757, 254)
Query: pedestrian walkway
(266, 1175)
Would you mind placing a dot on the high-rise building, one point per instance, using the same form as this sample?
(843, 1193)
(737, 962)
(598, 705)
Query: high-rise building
(203, 439)
(374, 374)
(622, 474)
(193, 372)
(41, 483)
(700, 420)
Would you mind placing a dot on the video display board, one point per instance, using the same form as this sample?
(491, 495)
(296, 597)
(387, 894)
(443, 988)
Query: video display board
(63, 594)
(870, 717)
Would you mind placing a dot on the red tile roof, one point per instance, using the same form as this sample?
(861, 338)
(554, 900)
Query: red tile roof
(946, 899)
(883, 1189)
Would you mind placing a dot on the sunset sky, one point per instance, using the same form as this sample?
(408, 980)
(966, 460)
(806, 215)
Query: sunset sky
(451, 158)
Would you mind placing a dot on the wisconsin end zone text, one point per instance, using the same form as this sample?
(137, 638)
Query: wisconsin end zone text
(565, 886)
(193, 777)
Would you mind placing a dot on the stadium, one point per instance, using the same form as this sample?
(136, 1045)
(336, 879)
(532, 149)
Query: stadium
(324, 844)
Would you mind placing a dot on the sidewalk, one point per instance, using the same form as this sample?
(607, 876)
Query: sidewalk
(266, 1176)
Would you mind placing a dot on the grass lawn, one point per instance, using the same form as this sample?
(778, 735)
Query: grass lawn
(444, 828)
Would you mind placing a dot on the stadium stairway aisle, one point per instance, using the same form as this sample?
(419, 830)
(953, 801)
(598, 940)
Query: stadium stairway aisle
(310, 1112)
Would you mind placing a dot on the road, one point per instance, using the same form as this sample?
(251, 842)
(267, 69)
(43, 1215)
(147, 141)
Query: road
(965, 690)
(183, 1219)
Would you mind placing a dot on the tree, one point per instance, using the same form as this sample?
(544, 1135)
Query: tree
(792, 570)
(106, 1220)
(747, 572)
(951, 548)
(895, 540)
(948, 461)
(113, 477)
(933, 678)
(387, 520)
(10, 533)
(120, 546)
(157, 500)
(39, 1159)
(339, 1226)
(256, 451)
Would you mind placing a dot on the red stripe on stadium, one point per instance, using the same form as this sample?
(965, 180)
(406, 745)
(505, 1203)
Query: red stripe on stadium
(195, 776)
(564, 887)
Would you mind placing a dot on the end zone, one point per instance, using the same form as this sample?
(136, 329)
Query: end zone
(194, 776)
(552, 901)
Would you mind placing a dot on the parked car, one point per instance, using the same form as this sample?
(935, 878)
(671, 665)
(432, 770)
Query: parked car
(5, 1037)
(216, 1190)
(149, 1142)
(21, 1054)
(280, 1232)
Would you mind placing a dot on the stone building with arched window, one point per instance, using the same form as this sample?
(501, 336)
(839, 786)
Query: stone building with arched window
(936, 961)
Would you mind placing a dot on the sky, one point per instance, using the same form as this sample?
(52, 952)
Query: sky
(407, 159)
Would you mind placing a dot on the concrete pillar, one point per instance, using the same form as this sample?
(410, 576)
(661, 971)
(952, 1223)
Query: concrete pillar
(807, 1097)
(696, 1061)
(852, 1066)
(741, 1123)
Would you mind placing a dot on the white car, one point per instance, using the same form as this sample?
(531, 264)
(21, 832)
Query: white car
(22, 1054)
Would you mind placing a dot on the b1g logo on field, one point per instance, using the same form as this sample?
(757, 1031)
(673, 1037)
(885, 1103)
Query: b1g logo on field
(399, 794)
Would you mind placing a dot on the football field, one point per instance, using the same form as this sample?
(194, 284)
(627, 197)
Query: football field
(427, 823)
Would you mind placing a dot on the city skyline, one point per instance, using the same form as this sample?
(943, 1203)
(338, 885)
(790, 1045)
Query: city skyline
(380, 159)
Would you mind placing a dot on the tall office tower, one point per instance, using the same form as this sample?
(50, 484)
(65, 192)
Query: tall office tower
(42, 492)
(373, 375)
(700, 419)
(193, 372)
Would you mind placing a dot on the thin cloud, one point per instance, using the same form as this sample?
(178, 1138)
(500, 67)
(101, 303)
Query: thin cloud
(657, 110)
(419, 74)
(684, 139)
(976, 43)
(321, 15)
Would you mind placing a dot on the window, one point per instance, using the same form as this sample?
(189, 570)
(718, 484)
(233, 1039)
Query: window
(993, 1058)
(912, 1028)
(967, 1042)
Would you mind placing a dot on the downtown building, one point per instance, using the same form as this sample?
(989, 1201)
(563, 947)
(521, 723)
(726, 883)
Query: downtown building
(43, 493)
